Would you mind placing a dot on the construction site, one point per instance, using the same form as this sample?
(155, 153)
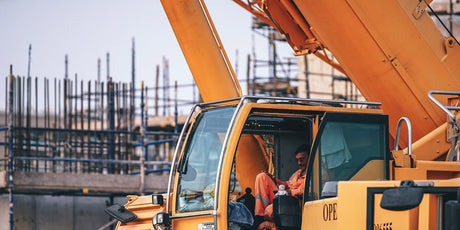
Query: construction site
(70, 148)
(79, 146)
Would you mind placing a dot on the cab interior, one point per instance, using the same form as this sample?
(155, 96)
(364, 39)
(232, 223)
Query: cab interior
(268, 144)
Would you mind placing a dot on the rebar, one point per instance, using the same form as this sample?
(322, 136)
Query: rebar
(90, 122)
(11, 152)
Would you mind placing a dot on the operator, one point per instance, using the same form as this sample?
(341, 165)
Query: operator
(266, 184)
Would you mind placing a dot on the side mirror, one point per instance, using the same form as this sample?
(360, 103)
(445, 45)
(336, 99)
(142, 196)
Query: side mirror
(403, 198)
(120, 213)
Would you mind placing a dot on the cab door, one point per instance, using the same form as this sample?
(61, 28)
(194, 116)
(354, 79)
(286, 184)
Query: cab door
(347, 146)
(193, 203)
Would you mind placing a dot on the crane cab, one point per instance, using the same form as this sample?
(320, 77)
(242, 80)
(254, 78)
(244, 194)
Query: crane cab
(225, 144)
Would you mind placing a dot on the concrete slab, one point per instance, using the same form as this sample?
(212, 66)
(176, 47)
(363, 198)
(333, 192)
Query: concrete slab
(44, 212)
(26, 182)
(4, 212)
(85, 211)
(52, 212)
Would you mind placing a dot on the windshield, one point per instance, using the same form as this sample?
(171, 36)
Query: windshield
(198, 166)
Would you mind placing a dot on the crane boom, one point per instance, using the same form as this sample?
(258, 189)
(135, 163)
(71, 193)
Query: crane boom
(391, 50)
(202, 49)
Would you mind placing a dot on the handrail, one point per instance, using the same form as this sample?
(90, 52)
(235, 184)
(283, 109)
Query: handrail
(293, 99)
(409, 135)
(454, 129)
(289, 100)
(444, 108)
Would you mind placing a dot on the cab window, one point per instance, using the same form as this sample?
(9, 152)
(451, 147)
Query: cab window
(198, 168)
(348, 147)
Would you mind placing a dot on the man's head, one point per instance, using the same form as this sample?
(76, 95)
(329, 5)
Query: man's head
(301, 156)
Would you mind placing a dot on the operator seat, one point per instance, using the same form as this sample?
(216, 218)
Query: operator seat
(287, 212)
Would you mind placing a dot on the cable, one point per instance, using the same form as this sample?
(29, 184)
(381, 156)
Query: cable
(445, 27)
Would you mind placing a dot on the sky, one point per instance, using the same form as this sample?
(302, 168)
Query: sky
(86, 30)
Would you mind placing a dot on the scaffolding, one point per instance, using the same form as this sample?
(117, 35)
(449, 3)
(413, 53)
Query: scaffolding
(70, 137)
(304, 77)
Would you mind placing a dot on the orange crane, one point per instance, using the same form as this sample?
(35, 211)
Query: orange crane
(395, 55)
(391, 50)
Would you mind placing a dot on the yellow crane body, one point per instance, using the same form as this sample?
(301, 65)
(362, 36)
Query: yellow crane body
(391, 54)
(226, 144)
(357, 176)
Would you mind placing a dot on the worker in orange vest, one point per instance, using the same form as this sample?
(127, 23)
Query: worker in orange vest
(266, 184)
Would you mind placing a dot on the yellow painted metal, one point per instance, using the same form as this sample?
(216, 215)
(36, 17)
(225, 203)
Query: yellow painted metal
(393, 59)
(191, 222)
(316, 210)
(419, 218)
(402, 159)
(402, 220)
(433, 145)
(246, 176)
(346, 211)
(251, 159)
(144, 209)
(254, 9)
(202, 49)
(297, 31)
(391, 56)
(316, 168)
(372, 169)
(349, 209)
(428, 170)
